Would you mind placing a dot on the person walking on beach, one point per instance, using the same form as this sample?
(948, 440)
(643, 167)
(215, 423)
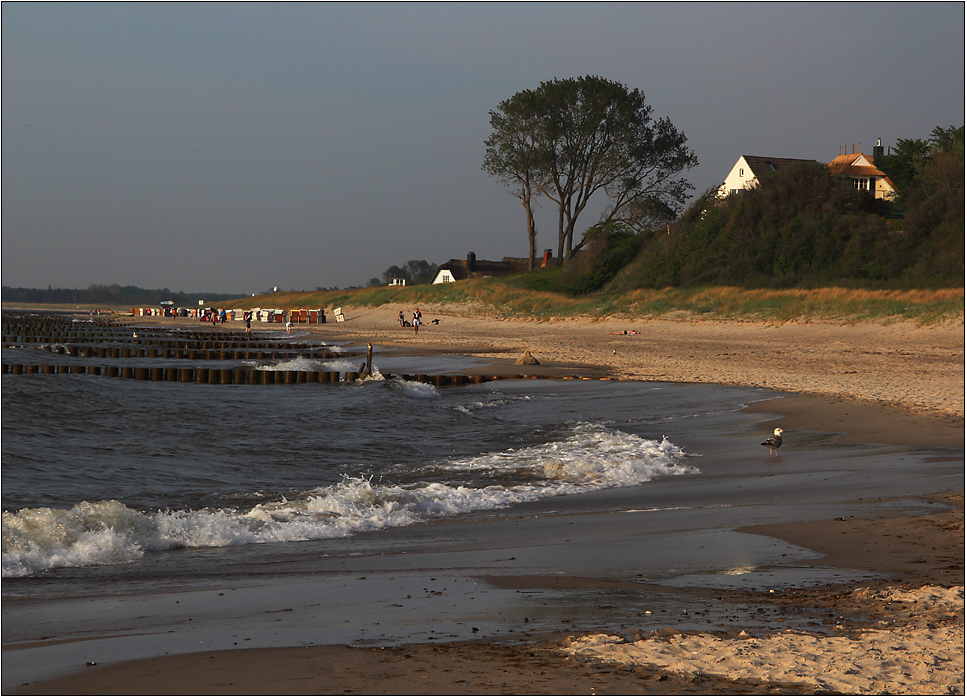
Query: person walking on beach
(416, 324)
(402, 320)
(248, 321)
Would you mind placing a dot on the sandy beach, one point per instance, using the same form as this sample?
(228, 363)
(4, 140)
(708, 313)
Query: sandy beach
(867, 383)
(918, 368)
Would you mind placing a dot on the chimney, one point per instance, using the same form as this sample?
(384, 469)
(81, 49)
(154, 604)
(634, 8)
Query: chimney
(471, 262)
(877, 150)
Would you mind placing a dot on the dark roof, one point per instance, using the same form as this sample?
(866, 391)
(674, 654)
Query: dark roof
(483, 267)
(762, 166)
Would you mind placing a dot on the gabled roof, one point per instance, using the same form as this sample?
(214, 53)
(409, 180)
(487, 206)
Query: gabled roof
(762, 166)
(847, 165)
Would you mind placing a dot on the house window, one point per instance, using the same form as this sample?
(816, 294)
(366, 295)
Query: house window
(446, 278)
(861, 183)
(741, 172)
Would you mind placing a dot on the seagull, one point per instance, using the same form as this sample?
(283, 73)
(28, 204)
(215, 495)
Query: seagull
(774, 442)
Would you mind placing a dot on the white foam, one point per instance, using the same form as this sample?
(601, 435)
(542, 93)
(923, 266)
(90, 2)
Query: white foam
(472, 407)
(415, 389)
(108, 532)
(303, 364)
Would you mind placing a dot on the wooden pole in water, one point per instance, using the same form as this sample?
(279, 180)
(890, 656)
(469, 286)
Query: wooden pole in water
(369, 359)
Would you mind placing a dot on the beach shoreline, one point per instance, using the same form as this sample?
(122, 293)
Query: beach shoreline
(568, 664)
(901, 364)
(899, 384)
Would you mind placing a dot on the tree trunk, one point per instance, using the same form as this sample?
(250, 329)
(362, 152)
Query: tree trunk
(531, 232)
(561, 237)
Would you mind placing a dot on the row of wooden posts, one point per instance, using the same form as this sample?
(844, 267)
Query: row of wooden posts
(61, 337)
(56, 331)
(153, 341)
(93, 352)
(249, 376)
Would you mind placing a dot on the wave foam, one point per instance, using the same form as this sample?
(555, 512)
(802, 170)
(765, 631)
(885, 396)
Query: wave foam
(304, 364)
(108, 532)
(415, 389)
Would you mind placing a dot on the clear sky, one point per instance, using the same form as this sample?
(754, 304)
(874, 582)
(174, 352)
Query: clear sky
(236, 147)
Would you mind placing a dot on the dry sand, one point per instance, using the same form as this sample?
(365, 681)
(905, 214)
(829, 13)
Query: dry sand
(923, 657)
(895, 383)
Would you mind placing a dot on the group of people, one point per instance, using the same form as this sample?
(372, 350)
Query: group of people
(215, 316)
(417, 321)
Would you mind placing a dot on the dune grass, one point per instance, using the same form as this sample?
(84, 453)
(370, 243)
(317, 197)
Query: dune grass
(521, 297)
(513, 298)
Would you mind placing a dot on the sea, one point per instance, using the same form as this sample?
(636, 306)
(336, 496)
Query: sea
(100, 471)
(114, 487)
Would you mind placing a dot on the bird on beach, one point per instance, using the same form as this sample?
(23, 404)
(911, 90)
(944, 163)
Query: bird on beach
(774, 442)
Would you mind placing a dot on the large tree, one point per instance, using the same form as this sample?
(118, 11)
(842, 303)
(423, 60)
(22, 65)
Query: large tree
(570, 139)
(415, 271)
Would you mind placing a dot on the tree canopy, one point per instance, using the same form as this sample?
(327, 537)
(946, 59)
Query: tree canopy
(110, 294)
(570, 139)
(415, 271)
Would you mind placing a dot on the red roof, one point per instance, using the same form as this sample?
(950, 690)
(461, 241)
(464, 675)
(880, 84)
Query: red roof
(843, 164)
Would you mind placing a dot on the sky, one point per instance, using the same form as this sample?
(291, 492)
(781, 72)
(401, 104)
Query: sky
(238, 147)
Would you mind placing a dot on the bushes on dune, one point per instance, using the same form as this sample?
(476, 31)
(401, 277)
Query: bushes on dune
(803, 226)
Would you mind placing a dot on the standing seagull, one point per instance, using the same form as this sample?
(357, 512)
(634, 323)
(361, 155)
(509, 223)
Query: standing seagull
(774, 442)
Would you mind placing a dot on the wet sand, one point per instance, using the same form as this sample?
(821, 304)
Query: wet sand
(894, 384)
(898, 612)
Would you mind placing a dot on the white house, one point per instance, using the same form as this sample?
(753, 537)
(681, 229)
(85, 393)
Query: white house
(750, 168)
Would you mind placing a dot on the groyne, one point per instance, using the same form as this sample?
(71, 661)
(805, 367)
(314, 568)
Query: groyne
(107, 339)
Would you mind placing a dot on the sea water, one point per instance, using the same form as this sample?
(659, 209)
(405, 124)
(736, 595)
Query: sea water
(100, 471)
(111, 473)
(145, 518)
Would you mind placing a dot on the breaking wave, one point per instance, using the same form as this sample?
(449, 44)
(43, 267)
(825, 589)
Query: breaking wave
(591, 457)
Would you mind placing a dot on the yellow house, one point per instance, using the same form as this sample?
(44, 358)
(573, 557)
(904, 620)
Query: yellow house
(864, 173)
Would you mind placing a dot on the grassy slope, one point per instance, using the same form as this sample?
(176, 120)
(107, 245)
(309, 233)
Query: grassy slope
(510, 298)
(516, 297)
